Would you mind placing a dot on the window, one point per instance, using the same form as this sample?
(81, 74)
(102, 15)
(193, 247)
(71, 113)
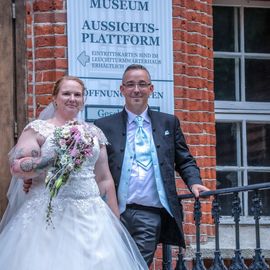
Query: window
(242, 97)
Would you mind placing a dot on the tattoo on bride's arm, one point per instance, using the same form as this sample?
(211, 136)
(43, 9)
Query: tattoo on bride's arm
(35, 153)
(33, 164)
(43, 163)
(27, 165)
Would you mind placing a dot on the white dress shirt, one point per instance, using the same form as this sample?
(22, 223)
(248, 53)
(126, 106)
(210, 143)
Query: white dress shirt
(142, 185)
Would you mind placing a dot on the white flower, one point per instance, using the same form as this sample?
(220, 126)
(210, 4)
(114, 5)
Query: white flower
(65, 132)
(48, 176)
(64, 159)
(63, 147)
(70, 167)
(62, 142)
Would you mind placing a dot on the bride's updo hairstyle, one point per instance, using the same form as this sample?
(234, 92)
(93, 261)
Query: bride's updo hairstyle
(59, 82)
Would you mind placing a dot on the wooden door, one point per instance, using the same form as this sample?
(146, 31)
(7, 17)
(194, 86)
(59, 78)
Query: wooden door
(12, 84)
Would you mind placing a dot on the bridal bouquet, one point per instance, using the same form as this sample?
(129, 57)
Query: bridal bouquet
(73, 144)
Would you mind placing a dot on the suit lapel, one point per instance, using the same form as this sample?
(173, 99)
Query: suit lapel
(123, 135)
(157, 132)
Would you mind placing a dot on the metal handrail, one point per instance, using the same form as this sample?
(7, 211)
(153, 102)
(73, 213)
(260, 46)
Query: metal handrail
(225, 191)
(237, 261)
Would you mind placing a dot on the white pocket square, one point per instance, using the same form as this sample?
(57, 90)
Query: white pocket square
(166, 132)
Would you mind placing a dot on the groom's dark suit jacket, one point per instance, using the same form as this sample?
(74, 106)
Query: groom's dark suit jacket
(173, 155)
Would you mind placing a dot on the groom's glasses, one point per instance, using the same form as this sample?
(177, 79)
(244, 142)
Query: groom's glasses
(132, 85)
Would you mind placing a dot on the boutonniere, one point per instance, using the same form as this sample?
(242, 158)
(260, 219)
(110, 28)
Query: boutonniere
(167, 133)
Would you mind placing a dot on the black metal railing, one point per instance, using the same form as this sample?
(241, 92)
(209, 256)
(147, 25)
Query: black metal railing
(237, 262)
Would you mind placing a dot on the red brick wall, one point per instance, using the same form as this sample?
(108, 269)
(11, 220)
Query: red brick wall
(46, 50)
(194, 97)
(194, 100)
(193, 77)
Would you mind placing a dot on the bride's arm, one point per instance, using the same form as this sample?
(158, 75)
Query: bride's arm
(105, 181)
(26, 161)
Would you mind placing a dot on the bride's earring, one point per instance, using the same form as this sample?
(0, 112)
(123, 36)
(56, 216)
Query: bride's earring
(55, 105)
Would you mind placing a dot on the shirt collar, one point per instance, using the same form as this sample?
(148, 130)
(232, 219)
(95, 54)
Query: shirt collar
(132, 116)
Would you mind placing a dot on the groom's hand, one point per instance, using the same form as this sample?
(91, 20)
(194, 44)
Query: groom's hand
(197, 189)
(27, 183)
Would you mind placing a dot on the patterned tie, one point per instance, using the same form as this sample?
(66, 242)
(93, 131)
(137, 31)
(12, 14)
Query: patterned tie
(142, 145)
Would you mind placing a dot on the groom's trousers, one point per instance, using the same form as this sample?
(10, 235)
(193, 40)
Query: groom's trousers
(144, 225)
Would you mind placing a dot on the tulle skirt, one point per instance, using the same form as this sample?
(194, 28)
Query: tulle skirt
(85, 235)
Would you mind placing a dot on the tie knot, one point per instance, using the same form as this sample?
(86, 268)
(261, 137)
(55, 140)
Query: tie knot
(139, 121)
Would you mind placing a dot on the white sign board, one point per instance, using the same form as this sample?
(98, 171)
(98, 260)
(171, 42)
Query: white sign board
(106, 36)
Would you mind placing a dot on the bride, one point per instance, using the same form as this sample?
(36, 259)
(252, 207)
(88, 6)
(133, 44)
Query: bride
(73, 229)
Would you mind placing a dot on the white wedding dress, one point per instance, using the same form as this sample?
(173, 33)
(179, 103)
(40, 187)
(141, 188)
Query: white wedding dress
(85, 234)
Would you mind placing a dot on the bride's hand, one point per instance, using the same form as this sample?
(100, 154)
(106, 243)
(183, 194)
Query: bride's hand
(27, 183)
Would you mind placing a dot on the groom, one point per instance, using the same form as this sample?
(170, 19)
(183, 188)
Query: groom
(143, 159)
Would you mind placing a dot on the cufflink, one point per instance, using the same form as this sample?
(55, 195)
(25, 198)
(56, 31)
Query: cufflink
(166, 132)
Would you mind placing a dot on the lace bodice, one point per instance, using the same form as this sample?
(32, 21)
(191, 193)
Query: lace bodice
(81, 184)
